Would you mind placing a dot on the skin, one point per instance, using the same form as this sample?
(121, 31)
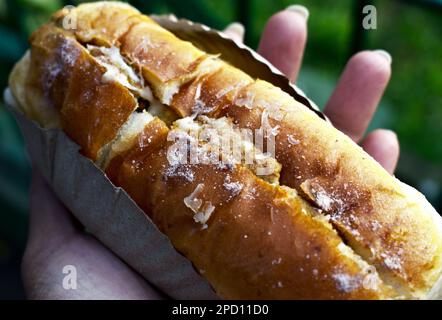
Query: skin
(56, 239)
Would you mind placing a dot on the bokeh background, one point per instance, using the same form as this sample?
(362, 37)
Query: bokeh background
(410, 30)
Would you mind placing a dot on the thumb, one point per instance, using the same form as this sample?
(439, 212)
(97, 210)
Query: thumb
(49, 220)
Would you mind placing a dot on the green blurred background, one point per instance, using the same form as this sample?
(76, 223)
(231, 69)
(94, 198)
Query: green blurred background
(410, 30)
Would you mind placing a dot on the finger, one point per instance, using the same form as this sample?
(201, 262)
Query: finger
(235, 31)
(48, 218)
(383, 146)
(283, 40)
(358, 92)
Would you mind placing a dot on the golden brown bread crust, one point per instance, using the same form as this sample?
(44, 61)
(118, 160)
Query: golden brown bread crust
(69, 79)
(260, 243)
(218, 90)
(366, 204)
(164, 60)
(391, 229)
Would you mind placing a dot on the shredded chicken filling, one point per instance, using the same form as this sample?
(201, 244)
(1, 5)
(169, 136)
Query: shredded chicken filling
(117, 69)
(218, 141)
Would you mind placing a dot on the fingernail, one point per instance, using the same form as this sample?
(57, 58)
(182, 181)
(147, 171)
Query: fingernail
(389, 133)
(385, 55)
(237, 28)
(172, 17)
(301, 10)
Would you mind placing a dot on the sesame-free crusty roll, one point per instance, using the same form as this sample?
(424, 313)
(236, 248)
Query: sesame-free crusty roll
(328, 222)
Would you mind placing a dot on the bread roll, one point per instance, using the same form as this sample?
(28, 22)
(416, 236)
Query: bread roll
(328, 222)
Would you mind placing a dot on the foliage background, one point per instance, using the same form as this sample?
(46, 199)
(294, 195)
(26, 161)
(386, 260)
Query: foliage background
(410, 30)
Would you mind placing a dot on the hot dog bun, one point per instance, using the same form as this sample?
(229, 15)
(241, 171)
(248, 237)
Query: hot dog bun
(328, 223)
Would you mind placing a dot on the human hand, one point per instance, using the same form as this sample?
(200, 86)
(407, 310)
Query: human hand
(56, 239)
